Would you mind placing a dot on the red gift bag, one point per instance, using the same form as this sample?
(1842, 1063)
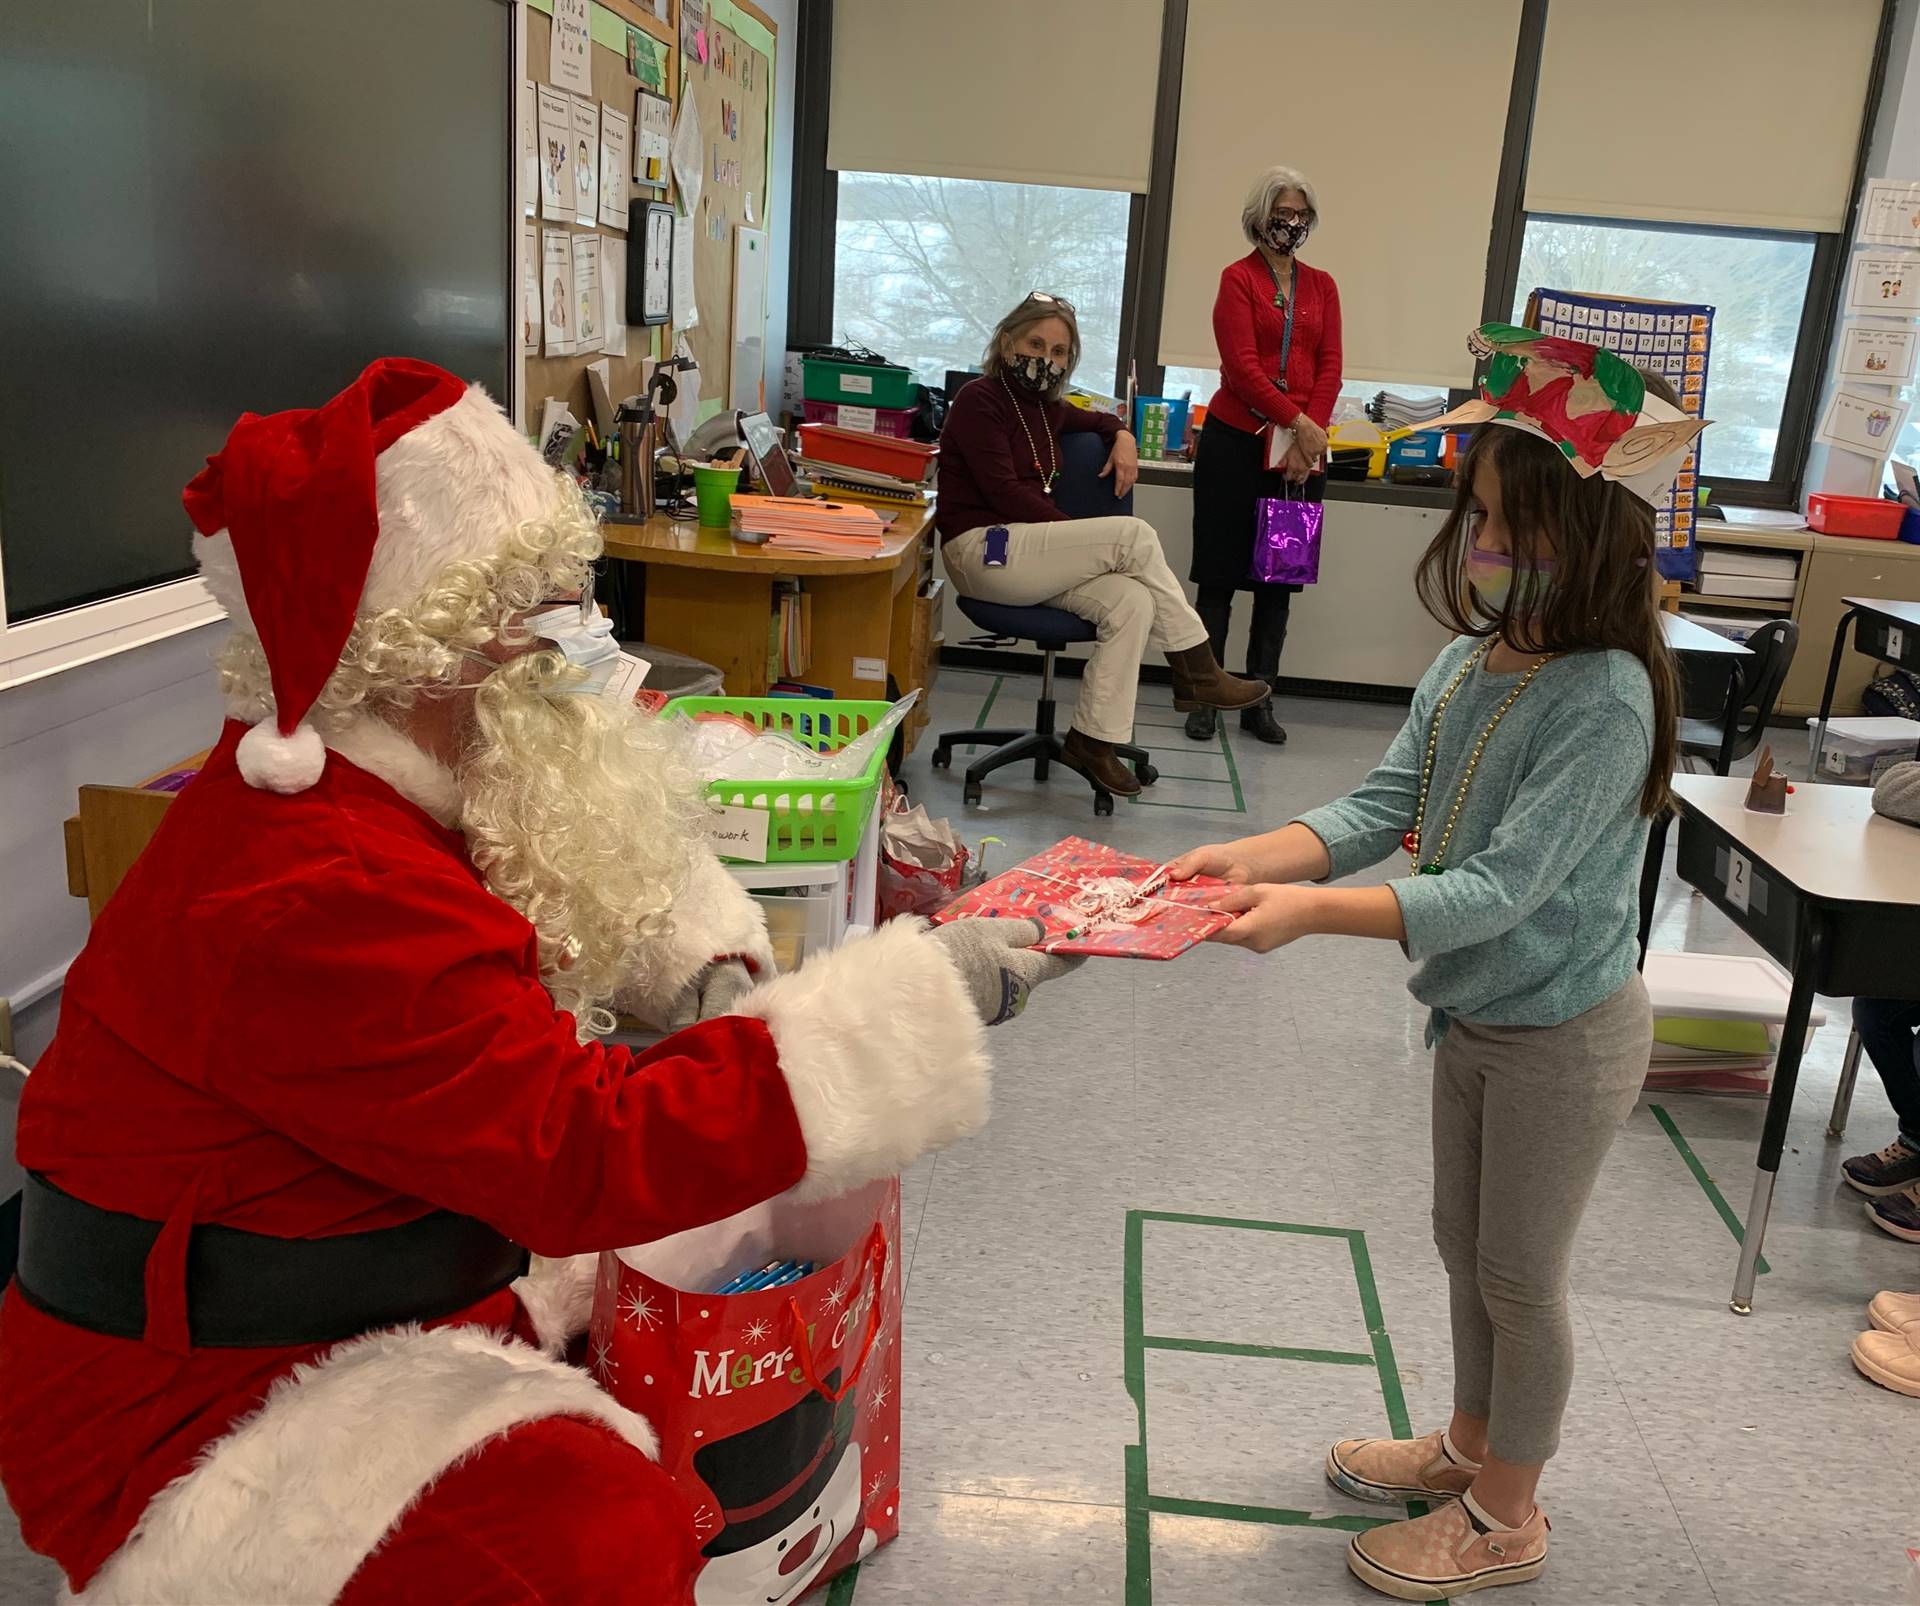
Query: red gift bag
(778, 1410)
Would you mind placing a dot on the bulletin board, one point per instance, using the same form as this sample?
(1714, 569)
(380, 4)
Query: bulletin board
(733, 90)
(566, 376)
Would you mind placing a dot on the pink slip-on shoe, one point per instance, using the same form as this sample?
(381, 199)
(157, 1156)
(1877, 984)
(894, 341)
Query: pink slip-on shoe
(1890, 1311)
(1392, 1470)
(1453, 1550)
(1890, 1359)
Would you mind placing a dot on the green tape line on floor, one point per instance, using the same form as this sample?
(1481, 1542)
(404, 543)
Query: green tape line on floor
(1718, 1200)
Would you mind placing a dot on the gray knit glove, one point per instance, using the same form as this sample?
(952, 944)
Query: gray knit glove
(998, 964)
(1897, 793)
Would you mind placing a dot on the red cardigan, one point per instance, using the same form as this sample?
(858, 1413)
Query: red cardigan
(1247, 328)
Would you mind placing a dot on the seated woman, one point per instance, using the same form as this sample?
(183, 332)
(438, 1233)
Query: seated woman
(999, 459)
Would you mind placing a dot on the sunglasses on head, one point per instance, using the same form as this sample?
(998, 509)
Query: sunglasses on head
(1052, 301)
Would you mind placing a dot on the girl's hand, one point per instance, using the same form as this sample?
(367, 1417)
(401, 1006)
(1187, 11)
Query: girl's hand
(1269, 917)
(1123, 463)
(1223, 862)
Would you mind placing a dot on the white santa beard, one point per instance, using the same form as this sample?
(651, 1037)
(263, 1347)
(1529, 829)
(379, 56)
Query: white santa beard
(581, 813)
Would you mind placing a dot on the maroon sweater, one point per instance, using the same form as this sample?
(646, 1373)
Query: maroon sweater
(1248, 328)
(987, 474)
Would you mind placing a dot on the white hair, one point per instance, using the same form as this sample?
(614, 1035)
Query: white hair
(1267, 189)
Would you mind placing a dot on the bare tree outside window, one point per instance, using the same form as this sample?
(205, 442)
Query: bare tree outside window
(1756, 284)
(925, 267)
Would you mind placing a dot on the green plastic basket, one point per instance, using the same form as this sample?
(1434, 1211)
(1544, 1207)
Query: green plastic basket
(810, 822)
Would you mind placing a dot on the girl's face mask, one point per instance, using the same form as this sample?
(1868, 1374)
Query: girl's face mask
(1495, 580)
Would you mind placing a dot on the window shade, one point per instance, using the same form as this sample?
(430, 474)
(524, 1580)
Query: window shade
(1396, 111)
(1744, 113)
(1055, 93)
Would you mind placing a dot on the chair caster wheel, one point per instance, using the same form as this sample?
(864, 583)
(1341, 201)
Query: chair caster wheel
(943, 758)
(1102, 802)
(970, 793)
(1146, 774)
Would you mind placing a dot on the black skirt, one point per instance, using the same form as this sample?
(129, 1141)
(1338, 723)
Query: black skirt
(1229, 481)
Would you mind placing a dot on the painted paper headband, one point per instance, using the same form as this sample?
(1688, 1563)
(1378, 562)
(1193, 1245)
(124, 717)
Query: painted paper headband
(1585, 400)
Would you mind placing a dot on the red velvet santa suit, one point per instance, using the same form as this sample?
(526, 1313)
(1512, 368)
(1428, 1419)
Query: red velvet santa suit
(305, 1015)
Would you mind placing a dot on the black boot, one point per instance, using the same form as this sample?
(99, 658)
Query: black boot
(1260, 724)
(1201, 725)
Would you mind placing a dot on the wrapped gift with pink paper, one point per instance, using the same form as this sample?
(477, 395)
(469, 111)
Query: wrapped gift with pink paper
(764, 1350)
(1096, 902)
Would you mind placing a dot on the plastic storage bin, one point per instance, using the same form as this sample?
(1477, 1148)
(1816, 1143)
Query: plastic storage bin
(1422, 449)
(810, 822)
(1860, 748)
(852, 448)
(894, 422)
(1873, 517)
(862, 384)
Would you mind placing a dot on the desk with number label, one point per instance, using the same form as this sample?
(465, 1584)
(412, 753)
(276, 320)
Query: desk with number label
(1691, 641)
(1830, 890)
(1883, 629)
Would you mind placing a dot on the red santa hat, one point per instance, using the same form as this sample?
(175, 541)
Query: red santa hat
(306, 517)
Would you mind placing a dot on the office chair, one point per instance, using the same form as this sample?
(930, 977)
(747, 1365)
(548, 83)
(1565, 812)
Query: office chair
(1772, 646)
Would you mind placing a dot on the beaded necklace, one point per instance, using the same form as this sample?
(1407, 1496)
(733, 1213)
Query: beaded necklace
(1411, 841)
(1052, 472)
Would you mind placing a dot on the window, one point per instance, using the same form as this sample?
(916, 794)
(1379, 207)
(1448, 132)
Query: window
(1756, 284)
(923, 268)
(1352, 403)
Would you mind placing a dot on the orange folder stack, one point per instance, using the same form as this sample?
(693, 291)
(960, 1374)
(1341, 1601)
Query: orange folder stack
(804, 524)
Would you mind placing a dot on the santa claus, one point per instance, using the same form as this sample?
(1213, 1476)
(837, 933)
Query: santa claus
(330, 1065)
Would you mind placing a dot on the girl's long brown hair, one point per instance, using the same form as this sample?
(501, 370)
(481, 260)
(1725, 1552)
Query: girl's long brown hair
(1605, 591)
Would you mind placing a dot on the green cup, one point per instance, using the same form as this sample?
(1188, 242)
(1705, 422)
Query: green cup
(713, 489)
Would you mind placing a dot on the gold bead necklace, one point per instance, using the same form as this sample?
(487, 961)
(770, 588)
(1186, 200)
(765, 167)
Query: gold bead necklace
(1411, 841)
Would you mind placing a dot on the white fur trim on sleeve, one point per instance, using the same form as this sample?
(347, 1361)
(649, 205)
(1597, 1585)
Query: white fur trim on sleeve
(883, 1052)
(557, 1296)
(293, 1498)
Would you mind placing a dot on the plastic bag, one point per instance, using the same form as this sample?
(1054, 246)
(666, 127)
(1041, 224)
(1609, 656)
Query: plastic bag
(923, 864)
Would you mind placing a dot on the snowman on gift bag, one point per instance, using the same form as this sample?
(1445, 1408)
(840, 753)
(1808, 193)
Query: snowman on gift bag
(788, 1492)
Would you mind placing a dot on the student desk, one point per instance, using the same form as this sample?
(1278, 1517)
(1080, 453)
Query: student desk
(1882, 628)
(1689, 640)
(712, 597)
(1831, 891)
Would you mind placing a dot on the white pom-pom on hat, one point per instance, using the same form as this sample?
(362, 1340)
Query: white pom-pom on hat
(284, 764)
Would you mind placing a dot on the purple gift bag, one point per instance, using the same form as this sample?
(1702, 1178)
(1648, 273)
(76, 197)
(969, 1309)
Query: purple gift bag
(1286, 541)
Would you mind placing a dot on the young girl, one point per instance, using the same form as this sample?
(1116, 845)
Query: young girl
(1539, 745)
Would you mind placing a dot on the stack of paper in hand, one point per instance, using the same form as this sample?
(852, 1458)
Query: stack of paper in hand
(1390, 410)
(804, 524)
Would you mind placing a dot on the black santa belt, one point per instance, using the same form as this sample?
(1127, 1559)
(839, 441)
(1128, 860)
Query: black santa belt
(246, 1290)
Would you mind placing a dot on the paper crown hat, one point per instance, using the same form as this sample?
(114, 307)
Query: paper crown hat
(1590, 403)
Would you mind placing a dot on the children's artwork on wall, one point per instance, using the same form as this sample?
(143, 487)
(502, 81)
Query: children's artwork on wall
(653, 137)
(584, 157)
(569, 62)
(555, 134)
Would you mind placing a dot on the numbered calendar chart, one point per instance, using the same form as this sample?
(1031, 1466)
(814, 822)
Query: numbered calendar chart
(1670, 338)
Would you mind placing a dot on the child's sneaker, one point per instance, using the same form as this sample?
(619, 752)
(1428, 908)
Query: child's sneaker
(1453, 1550)
(1890, 1312)
(1392, 1470)
(1895, 1167)
(1891, 1359)
(1898, 1213)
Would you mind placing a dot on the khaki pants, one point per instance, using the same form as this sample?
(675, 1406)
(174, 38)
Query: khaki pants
(1110, 572)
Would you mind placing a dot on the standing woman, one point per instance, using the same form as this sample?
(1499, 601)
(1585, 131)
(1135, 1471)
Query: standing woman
(1276, 322)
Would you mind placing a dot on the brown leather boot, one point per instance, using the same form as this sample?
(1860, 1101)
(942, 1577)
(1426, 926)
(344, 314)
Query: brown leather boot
(1100, 764)
(1200, 682)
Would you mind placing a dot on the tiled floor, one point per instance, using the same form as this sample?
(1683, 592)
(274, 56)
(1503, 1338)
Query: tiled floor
(1058, 1301)
(1707, 1458)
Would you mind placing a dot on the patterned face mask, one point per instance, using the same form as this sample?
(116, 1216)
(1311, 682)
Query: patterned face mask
(1037, 374)
(1493, 577)
(1286, 238)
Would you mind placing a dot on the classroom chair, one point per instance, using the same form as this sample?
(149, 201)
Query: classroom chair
(1772, 646)
(1082, 494)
